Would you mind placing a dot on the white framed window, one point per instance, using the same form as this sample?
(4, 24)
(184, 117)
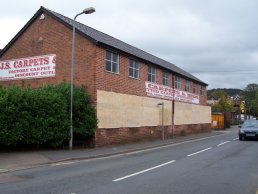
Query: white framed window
(187, 85)
(112, 63)
(165, 78)
(177, 82)
(134, 67)
(151, 74)
(194, 88)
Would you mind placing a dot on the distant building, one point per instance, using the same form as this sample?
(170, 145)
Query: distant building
(212, 100)
(125, 83)
(236, 99)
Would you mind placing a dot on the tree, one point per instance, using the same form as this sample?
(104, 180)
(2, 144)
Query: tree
(229, 91)
(250, 96)
(255, 107)
(224, 105)
(219, 93)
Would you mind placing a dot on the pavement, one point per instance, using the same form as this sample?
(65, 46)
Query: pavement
(13, 161)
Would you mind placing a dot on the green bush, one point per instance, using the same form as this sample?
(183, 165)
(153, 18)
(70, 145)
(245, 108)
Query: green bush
(42, 116)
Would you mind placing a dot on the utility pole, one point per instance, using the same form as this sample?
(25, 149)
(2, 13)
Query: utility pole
(173, 106)
(163, 130)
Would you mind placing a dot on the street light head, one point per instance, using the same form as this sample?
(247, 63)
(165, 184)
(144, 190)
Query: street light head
(89, 10)
(160, 104)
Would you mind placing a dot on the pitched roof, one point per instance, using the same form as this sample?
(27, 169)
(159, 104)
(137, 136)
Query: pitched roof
(103, 39)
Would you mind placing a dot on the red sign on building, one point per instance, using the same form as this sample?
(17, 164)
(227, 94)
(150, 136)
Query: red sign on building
(161, 91)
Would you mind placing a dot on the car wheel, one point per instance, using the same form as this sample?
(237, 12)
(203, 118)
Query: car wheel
(240, 137)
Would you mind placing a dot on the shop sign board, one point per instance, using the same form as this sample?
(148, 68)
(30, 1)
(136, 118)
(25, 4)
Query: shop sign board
(165, 92)
(28, 68)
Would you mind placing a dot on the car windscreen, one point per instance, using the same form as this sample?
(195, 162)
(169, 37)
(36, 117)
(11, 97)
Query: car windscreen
(250, 124)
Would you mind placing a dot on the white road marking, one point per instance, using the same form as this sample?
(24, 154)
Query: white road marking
(159, 147)
(143, 171)
(223, 143)
(198, 152)
(235, 139)
(61, 163)
(3, 170)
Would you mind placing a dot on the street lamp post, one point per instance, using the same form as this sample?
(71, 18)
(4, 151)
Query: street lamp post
(173, 107)
(163, 131)
(85, 11)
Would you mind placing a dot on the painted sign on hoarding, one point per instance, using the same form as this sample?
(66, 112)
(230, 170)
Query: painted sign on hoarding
(28, 68)
(161, 91)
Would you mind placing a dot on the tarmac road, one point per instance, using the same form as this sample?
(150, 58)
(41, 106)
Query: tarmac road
(219, 164)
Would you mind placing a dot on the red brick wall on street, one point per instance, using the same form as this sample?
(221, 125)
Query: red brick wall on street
(124, 135)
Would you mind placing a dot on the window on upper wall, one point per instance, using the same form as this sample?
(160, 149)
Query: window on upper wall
(165, 78)
(112, 64)
(202, 91)
(194, 88)
(187, 85)
(177, 82)
(151, 74)
(134, 69)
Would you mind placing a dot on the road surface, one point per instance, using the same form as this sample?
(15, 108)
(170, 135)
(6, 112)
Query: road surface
(219, 164)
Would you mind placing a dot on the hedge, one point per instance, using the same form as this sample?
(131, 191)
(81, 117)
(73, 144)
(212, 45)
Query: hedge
(42, 116)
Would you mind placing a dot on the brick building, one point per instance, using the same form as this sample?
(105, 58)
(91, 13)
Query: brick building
(125, 83)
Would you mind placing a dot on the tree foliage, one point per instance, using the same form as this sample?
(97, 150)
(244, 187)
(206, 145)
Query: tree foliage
(42, 116)
(219, 93)
(223, 105)
(250, 96)
(228, 91)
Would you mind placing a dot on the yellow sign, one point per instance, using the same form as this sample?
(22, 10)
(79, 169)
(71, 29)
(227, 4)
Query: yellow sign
(242, 106)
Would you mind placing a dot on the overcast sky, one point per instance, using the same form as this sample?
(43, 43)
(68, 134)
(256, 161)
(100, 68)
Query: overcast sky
(215, 40)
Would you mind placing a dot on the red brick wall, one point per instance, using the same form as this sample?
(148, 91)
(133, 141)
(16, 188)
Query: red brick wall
(122, 83)
(51, 37)
(125, 135)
